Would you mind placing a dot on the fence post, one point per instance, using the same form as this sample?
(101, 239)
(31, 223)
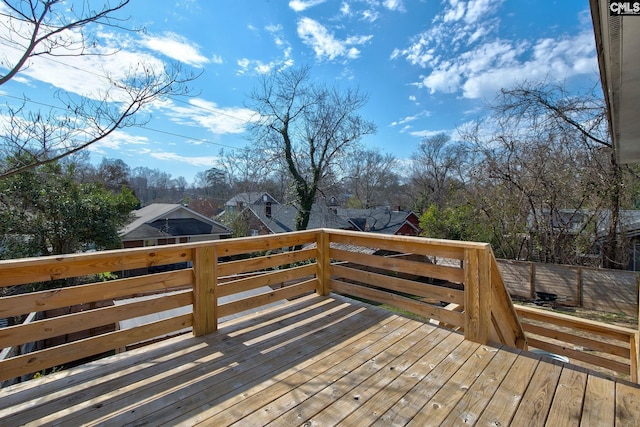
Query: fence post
(323, 262)
(205, 300)
(532, 280)
(477, 295)
(579, 285)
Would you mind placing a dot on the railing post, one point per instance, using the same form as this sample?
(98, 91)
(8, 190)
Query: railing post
(323, 262)
(477, 295)
(205, 300)
(635, 358)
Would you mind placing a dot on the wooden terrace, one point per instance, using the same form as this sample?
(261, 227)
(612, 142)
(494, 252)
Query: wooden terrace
(320, 357)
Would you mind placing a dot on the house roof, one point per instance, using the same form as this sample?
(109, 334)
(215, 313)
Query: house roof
(283, 218)
(618, 46)
(376, 220)
(144, 223)
(252, 198)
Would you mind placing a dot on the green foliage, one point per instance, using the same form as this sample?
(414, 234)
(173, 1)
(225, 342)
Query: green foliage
(45, 211)
(105, 277)
(454, 223)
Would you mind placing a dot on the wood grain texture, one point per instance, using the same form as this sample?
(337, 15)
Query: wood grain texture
(322, 361)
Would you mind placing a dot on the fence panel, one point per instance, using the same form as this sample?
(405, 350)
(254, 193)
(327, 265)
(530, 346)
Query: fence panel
(614, 291)
(610, 290)
(558, 279)
(516, 276)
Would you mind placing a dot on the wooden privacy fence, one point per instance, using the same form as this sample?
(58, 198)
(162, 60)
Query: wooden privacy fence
(613, 291)
(209, 272)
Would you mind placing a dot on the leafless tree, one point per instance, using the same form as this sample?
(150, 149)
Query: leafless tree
(549, 169)
(58, 30)
(308, 127)
(371, 178)
(437, 170)
(246, 170)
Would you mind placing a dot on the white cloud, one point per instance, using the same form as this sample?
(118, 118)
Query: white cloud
(429, 133)
(370, 15)
(117, 140)
(394, 5)
(258, 66)
(471, 12)
(325, 44)
(117, 56)
(199, 161)
(176, 47)
(208, 115)
(461, 54)
(409, 119)
(554, 60)
(301, 5)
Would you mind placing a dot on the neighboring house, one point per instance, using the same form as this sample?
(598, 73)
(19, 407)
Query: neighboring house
(274, 219)
(243, 200)
(163, 224)
(569, 223)
(382, 220)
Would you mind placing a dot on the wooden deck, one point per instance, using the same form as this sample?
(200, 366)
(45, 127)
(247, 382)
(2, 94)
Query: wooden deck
(322, 361)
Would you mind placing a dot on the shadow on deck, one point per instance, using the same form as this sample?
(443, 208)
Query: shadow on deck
(323, 361)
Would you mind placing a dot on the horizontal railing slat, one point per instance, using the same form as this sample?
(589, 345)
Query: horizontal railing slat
(610, 331)
(70, 323)
(43, 359)
(420, 308)
(406, 244)
(264, 262)
(451, 274)
(614, 365)
(401, 285)
(245, 245)
(265, 279)
(256, 301)
(573, 339)
(32, 270)
(82, 294)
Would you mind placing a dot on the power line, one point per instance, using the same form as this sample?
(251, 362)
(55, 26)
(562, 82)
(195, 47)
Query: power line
(211, 110)
(25, 99)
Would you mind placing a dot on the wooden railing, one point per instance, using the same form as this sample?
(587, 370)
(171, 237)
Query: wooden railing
(599, 344)
(462, 290)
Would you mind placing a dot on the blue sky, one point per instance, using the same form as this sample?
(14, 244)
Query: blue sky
(428, 66)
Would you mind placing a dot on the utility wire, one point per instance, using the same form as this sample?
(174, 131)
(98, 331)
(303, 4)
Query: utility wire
(25, 99)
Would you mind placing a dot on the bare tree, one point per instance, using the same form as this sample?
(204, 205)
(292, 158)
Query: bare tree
(58, 29)
(371, 178)
(583, 116)
(308, 127)
(548, 169)
(246, 170)
(437, 170)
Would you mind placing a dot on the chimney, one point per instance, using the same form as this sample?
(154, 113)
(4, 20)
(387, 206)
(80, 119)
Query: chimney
(267, 209)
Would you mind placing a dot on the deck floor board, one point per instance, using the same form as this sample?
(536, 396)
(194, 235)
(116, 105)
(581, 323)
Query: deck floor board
(322, 361)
